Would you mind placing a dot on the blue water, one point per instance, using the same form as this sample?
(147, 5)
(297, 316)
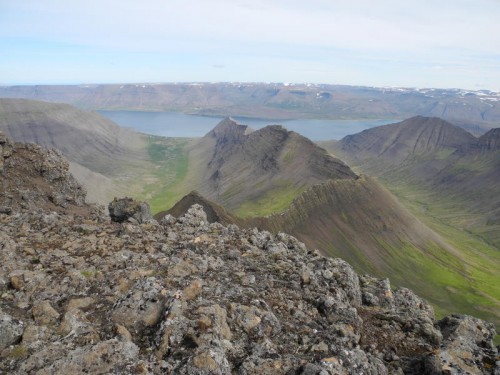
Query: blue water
(174, 124)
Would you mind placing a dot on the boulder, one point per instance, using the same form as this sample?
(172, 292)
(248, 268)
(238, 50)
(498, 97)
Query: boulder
(128, 209)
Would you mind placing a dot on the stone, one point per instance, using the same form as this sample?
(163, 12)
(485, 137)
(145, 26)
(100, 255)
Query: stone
(140, 307)
(44, 313)
(193, 289)
(123, 209)
(11, 330)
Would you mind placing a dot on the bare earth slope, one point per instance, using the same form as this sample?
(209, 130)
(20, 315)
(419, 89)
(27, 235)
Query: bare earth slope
(101, 153)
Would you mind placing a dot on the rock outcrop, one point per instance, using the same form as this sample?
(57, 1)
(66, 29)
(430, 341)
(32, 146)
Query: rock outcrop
(83, 294)
(33, 177)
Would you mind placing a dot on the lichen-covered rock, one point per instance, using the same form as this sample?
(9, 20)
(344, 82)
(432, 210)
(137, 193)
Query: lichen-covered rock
(11, 330)
(106, 357)
(44, 313)
(466, 348)
(34, 178)
(128, 209)
(140, 307)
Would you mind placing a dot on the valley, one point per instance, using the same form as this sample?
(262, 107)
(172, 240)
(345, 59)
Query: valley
(400, 223)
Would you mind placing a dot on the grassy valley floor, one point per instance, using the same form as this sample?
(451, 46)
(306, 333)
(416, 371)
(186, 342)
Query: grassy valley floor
(469, 278)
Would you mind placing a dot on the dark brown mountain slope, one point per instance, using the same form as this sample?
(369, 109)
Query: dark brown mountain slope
(215, 212)
(233, 165)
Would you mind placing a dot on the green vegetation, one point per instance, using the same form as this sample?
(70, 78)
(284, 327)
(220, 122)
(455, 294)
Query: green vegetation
(17, 352)
(275, 200)
(170, 161)
(466, 281)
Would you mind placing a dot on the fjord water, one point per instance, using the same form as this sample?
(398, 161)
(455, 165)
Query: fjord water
(175, 124)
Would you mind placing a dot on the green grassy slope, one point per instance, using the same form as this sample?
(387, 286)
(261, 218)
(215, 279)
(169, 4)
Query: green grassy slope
(476, 290)
(170, 159)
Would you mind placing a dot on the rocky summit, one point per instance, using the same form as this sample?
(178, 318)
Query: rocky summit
(81, 293)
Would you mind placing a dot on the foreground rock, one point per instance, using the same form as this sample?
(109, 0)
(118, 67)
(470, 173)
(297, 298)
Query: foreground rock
(128, 209)
(183, 296)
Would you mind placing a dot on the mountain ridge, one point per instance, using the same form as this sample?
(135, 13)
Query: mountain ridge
(236, 165)
(461, 172)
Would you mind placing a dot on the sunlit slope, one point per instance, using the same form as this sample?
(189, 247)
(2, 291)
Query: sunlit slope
(450, 180)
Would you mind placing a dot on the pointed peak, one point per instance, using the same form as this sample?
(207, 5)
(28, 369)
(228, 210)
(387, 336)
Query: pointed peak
(491, 139)
(228, 127)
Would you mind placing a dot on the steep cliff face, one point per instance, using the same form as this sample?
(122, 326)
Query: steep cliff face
(87, 295)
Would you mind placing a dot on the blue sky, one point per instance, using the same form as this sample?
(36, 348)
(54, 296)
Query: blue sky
(417, 43)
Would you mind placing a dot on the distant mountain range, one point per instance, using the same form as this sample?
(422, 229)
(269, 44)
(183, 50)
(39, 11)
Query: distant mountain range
(476, 111)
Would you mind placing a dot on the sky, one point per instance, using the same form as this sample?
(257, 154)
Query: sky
(410, 43)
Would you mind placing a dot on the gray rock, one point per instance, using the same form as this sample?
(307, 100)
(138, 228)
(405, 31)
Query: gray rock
(195, 216)
(11, 330)
(467, 347)
(123, 209)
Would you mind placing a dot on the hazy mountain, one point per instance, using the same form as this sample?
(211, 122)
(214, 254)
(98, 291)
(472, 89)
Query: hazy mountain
(490, 141)
(401, 142)
(474, 110)
(99, 151)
